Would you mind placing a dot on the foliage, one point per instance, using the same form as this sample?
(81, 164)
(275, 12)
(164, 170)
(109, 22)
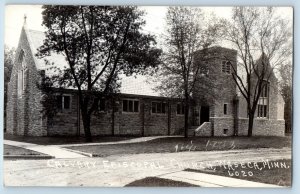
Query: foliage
(9, 55)
(254, 32)
(186, 34)
(99, 43)
(286, 91)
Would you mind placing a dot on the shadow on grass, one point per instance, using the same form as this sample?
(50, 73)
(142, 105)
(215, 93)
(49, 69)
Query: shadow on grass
(158, 182)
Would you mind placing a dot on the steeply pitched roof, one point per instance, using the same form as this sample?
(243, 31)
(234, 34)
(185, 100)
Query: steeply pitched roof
(129, 85)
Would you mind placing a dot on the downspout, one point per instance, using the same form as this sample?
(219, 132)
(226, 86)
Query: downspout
(78, 116)
(236, 115)
(113, 117)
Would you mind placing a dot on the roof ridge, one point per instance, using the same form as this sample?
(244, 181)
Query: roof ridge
(32, 30)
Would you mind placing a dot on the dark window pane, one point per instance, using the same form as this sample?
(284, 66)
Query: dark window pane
(178, 108)
(59, 102)
(158, 107)
(136, 106)
(153, 107)
(164, 105)
(67, 100)
(265, 110)
(225, 109)
(182, 107)
(125, 105)
(130, 106)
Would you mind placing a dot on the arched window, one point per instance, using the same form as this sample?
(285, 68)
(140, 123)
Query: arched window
(21, 73)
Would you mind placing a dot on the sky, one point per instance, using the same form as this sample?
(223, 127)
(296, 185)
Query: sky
(155, 19)
(14, 19)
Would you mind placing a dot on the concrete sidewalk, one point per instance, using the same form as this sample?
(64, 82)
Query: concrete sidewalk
(134, 140)
(209, 180)
(51, 150)
(58, 151)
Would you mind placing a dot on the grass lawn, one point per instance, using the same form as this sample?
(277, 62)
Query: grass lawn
(276, 176)
(13, 150)
(171, 144)
(158, 182)
(62, 140)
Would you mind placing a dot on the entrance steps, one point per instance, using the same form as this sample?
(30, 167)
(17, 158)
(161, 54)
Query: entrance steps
(204, 130)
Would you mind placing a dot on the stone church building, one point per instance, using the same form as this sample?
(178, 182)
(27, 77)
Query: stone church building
(133, 112)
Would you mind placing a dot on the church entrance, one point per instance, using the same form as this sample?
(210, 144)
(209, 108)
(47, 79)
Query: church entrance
(201, 115)
(204, 114)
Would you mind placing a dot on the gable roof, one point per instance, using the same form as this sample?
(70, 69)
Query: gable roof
(129, 85)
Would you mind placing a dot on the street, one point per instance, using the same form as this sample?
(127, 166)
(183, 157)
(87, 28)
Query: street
(119, 170)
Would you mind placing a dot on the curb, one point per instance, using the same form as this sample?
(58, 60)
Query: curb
(78, 152)
(28, 157)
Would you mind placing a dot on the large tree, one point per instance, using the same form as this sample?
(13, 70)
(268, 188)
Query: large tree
(99, 43)
(286, 74)
(263, 42)
(9, 54)
(186, 33)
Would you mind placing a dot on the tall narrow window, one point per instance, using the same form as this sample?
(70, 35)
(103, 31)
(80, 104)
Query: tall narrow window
(180, 109)
(225, 109)
(22, 68)
(263, 102)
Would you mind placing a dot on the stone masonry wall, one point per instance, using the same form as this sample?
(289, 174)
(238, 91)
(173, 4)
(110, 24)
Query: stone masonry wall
(142, 123)
(262, 127)
(24, 112)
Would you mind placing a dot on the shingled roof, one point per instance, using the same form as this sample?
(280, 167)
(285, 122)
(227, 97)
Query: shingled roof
(129, 85)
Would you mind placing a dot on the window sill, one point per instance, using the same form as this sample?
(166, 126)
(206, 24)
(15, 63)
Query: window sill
(262, 118)
(130, 112)
(159, 114)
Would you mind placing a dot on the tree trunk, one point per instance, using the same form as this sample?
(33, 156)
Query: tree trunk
(86, 119)
(250, 123)
(186, 116)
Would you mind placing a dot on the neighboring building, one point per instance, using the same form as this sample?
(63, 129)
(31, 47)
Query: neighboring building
(135, 114)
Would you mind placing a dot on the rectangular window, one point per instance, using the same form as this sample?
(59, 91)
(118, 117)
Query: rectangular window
(63, 102)
(159, 107)
(125, 105)
(154, 107)
(67, 100)
(262, 111)
(180, 109)
(130, 106)
(136, 106)
(225, 109)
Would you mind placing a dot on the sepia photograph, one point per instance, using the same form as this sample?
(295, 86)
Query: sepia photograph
(148, 96)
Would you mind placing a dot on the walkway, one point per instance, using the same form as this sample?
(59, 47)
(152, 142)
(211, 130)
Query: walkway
(51, 150)
(134, 140)
(209, 180)
(58, 151)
